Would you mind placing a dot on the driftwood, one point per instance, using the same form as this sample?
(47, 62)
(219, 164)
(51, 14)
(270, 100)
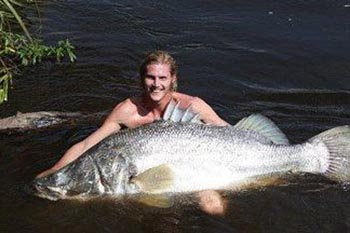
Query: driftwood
(23, 122)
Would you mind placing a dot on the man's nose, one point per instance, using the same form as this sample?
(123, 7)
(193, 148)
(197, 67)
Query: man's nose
(156, 82)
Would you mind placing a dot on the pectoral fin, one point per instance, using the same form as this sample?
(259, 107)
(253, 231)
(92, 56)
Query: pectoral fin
(258, 182)
(154, 180)
(162, 200)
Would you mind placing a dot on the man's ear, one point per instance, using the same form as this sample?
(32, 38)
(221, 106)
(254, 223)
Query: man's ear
(174, 82)
(174, 78)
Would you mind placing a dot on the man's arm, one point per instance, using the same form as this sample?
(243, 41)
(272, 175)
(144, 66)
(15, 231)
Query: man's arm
(111, 125)
(207, 114)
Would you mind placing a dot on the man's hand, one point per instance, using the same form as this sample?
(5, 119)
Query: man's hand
(46, 173)
(211, 202)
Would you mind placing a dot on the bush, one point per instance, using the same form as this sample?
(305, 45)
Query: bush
(18, 50)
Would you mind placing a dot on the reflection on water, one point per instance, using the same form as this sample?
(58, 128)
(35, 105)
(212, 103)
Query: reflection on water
(288, 60)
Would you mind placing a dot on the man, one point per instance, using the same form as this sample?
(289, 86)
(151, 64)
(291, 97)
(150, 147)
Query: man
(158, 74)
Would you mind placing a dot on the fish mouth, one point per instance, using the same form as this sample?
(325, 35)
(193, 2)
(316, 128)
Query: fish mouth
(35, 188)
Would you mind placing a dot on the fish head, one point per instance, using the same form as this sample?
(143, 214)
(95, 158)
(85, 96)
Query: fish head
(47, 187)
(72, 181)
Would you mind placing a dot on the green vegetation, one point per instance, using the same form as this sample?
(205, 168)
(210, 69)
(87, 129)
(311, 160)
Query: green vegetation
(17, 47)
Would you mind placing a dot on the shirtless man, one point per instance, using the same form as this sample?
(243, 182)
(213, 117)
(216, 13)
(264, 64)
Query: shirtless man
(159, 81)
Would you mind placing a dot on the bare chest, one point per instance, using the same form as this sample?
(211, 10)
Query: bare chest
(138, 120)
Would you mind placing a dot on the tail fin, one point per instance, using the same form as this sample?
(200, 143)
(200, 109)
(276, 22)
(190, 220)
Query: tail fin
(337, 141)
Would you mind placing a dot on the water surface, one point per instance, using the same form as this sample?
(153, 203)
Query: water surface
(286, 59)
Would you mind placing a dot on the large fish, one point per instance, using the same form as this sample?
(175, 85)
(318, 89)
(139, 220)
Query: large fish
(173, 157)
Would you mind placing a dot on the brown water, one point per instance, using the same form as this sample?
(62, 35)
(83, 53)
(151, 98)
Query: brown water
(288, 60)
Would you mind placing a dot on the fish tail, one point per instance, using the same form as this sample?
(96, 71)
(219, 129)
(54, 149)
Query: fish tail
(337, 141)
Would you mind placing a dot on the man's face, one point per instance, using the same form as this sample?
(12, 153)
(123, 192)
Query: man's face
(158, 81)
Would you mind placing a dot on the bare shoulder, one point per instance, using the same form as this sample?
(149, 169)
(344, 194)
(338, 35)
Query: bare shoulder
(184, 99)
(123, 112)
(127, 106)
(198, 105)
(198, 102)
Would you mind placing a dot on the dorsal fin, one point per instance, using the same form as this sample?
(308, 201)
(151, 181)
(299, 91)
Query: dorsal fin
(174, 113)
(264, 126)
(169, 110)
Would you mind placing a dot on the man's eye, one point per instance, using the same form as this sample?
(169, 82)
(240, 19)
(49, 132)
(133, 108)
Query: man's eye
(163, 78)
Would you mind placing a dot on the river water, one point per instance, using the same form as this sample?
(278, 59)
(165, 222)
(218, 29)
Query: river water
(289, 60)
